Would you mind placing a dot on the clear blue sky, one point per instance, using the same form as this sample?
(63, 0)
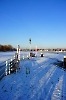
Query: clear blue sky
(44, 21)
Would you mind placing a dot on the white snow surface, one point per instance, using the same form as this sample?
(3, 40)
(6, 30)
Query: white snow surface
(44, 80)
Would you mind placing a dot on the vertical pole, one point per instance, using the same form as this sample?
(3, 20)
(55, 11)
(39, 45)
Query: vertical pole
(29, 49)
(64, 61)
(19, 53)
(36, 50)
(11, 63)
(30, 45)
(17, 48)
(16, 67)
(9, 69)
(6, 68)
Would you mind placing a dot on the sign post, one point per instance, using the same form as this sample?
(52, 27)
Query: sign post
(30, 45)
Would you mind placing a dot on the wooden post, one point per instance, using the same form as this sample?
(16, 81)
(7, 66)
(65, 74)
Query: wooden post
(6, 68)
(9, 69)
(64, 61)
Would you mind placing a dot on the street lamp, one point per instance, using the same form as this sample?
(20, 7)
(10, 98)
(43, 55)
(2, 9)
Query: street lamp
(30, 43)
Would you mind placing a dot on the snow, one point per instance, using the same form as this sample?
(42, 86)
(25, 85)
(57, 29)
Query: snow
(37, 79)
(6, 55)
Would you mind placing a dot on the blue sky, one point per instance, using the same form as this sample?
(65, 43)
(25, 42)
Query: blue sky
(44, 21)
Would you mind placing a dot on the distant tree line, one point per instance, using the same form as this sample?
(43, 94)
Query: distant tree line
(7, 48)
(10, 48)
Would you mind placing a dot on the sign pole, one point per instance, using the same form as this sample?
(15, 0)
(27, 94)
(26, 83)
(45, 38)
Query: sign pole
(30, 44)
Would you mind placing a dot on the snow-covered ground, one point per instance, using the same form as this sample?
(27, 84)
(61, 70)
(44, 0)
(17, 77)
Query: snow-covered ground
(8, 55)
(37, 79)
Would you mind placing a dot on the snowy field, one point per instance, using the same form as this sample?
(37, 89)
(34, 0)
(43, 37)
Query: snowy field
(37, 79)
(8, 55)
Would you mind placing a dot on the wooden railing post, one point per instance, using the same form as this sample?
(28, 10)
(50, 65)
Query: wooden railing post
(64, 61)
(6, 68)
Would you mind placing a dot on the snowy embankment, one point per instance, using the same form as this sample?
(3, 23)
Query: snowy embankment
(37, 79)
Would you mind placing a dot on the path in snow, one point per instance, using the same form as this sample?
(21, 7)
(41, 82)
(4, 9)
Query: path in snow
(44, 82)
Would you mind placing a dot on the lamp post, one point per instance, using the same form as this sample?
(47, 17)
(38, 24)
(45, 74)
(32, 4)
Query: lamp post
(30, 43)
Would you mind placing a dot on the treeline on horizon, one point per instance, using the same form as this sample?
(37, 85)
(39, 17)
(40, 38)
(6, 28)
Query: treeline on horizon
(7, 48)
